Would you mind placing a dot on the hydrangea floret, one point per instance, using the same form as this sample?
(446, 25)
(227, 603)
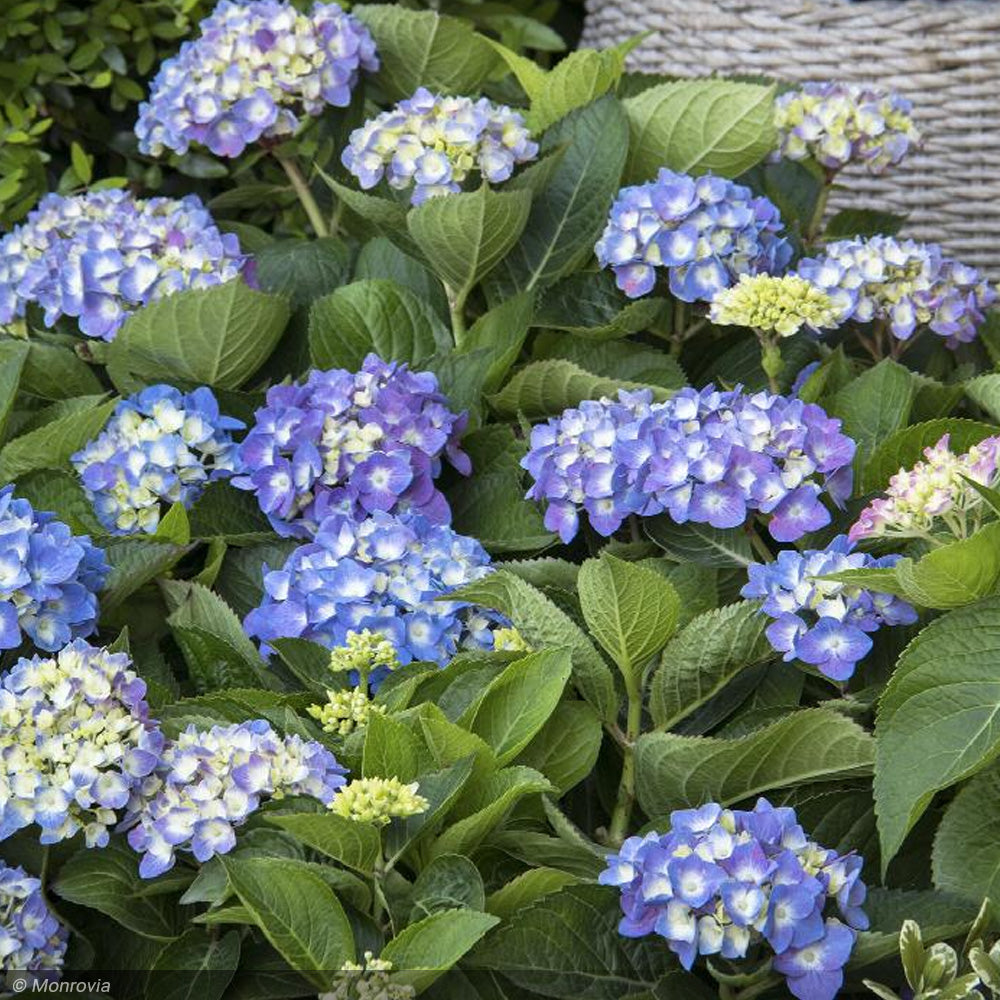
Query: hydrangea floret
(706, 231)
(346, 711)
(207, 783)
(433, 143)
(254, 71)
(728, 882)
(160, 447)
(76, 742)
(378, 800)
(96, 257)
(368, 980)
(902, 285)
(384, 574)
(49, 577)
(824, 623)
(356, 442)
(705, 456)
(934, 492)
(31, 938)
(837, 124)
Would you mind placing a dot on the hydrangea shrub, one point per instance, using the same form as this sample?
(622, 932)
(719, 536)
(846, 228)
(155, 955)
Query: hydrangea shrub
(571, 574)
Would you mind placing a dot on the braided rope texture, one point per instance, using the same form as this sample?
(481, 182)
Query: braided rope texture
(942, 54)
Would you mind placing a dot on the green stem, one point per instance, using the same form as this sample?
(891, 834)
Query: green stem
(758, 544)
(305, 196)
(770, 360)
(622, 813)
(456, 307)
(816, 222)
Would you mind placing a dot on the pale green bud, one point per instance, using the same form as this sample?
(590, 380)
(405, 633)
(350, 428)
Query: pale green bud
(774, 305)
(378, 800)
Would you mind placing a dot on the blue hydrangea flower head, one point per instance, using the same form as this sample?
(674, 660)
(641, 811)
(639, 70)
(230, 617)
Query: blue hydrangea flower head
(824, 623)
(710, 457)
(433, 143)
(382, 573)
(902, 285)
(706, 231)
(160, 447)
(254, 71)
(356, 442)
(31, 938)
(76, 742)
(98, 256)
(728, 881)
(207, 784)
(836, 124)
(49, 577)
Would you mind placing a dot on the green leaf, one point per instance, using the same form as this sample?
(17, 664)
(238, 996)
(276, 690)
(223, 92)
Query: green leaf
(567, 945)
(392, 750)
(83, 165)
(377, 316)
(465, 236)
(297, 912)
(851, 222)
(55, 372)
(565, 749)
(543, 625)
(215, 336)
(424, 950)
(700, 543)
(350, 842)
(303, 270)
(577, 80)
(590, 306)
(696, 126)
(904, 448)
(381, 258)
(520, 701)
(544, 388)
(134, 563)
(50, 446)
(940, 916)
(450, 881)
(527, 888)
(984, 391)
(811, 745)
(966, 858)
(485, 806)
(13, 355)
(954, 574)
(107, 880)
(174, 526)
(195, 967)
(61, 493)
(501, 331)
(704, 657)
(939, 708)
(631, 610)
(426, 49)
(873, 406)
(569, 212)
(225, 512)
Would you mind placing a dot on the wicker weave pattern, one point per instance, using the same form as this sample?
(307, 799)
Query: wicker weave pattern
(942, 54)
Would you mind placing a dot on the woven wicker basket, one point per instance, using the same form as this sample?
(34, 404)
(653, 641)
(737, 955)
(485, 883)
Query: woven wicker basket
(942, 54)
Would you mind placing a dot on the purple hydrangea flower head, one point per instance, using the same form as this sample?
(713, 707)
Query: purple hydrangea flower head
(76, 742)
(383, 573)
(710, 457)
(824, 623)
(725, 881)
(252, 73)
(98, 256)
(361, 442)
(903, 285)
(840, 123)
(433, 143)
(706, 231)
(160, 447)
(31, 938)
(49, 577)
(207, 784)
(935, 492)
